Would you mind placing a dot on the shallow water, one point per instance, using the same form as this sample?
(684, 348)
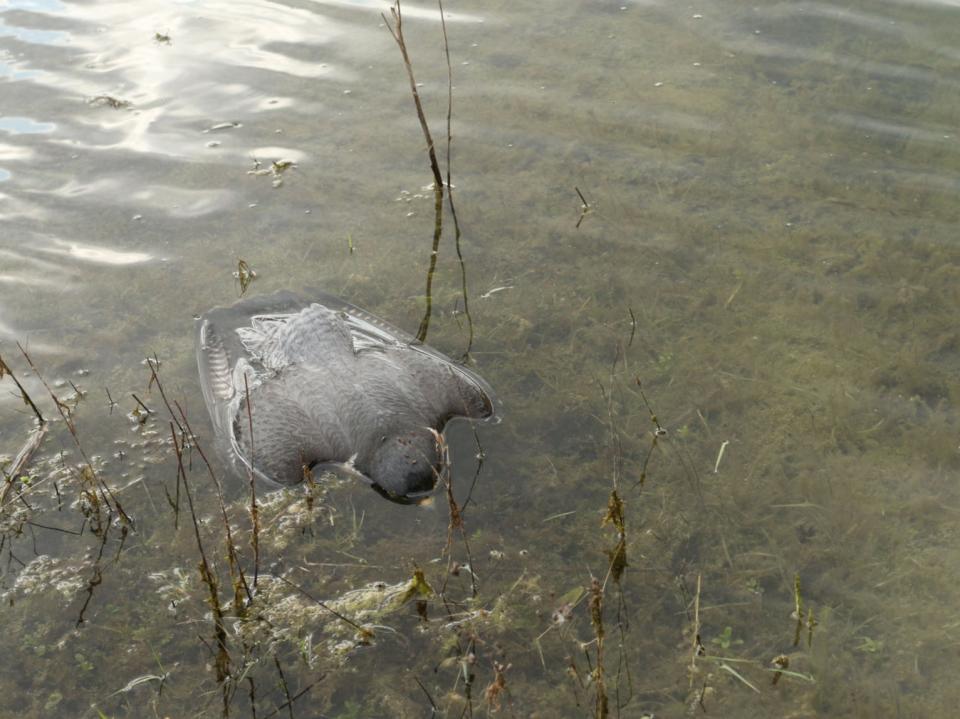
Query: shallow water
(769, 248)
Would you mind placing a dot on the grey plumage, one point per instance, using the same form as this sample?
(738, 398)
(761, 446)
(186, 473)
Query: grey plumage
(329, 385)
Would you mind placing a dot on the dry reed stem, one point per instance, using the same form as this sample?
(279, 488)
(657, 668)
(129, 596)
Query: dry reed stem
(601, 703)
(106, 493)
(237, 577)
(433, 705)
(697, 648)
(34, 440)
(396, 31)
(295, 697)
(453, 209)
(206, 573)
(5, 370)
(254, 510)
(94, 580)
(455, 521)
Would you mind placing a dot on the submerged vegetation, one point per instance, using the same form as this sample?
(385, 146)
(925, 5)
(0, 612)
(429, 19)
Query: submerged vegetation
(725, 481)
(440, 186)
(279, 622)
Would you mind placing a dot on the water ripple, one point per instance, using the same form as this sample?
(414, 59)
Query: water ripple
(943, 136)
(25, 126)
(94, 253)
(34, 36)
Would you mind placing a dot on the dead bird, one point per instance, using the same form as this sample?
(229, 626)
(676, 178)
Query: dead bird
(324, 384)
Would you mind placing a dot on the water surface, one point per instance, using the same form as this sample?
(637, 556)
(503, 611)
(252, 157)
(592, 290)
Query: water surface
(767, 262)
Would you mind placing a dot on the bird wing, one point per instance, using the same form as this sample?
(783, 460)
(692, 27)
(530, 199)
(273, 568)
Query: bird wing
(216, 375)
(306, 336)
(450, 388)
(238, 347)
(367, 331)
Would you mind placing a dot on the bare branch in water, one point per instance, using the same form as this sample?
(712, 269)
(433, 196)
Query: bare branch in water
(453, 208)
(254, 510)
(22, 459)
(34, 439)
(294, 698)
(95, 579)
(239, 580)
(585, 208)
(283, 683)
(109, 498)
(434, 709)
(396, 30)
(206, 573)
(434, 253)
(5, 370)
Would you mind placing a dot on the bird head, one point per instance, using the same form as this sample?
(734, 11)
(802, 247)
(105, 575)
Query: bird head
(408, 465)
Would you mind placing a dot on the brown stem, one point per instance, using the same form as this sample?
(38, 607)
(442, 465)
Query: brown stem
(5, 369)
(254, 510)
(397, 32)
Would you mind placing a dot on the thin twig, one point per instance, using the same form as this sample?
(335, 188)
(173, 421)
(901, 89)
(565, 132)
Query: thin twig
(585, 208)
(63, 410)
(295, 697)
(112, 403)
(254, 510)
(5, 370)
(366, 633)
(140, 402)
(453, 208)
(283, 683)
(396, 31)
(238, 578)
(433, 704)
(432, 267)
(23, 458)
(209, 579)
(34, 440)
(94, 580)
(697, 648)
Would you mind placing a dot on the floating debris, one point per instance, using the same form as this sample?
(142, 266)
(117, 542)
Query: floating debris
(486, 295)
(109, 101)
(585, 208)
(275, 170)
(244, 274)
(138, 417)
(223, 126)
